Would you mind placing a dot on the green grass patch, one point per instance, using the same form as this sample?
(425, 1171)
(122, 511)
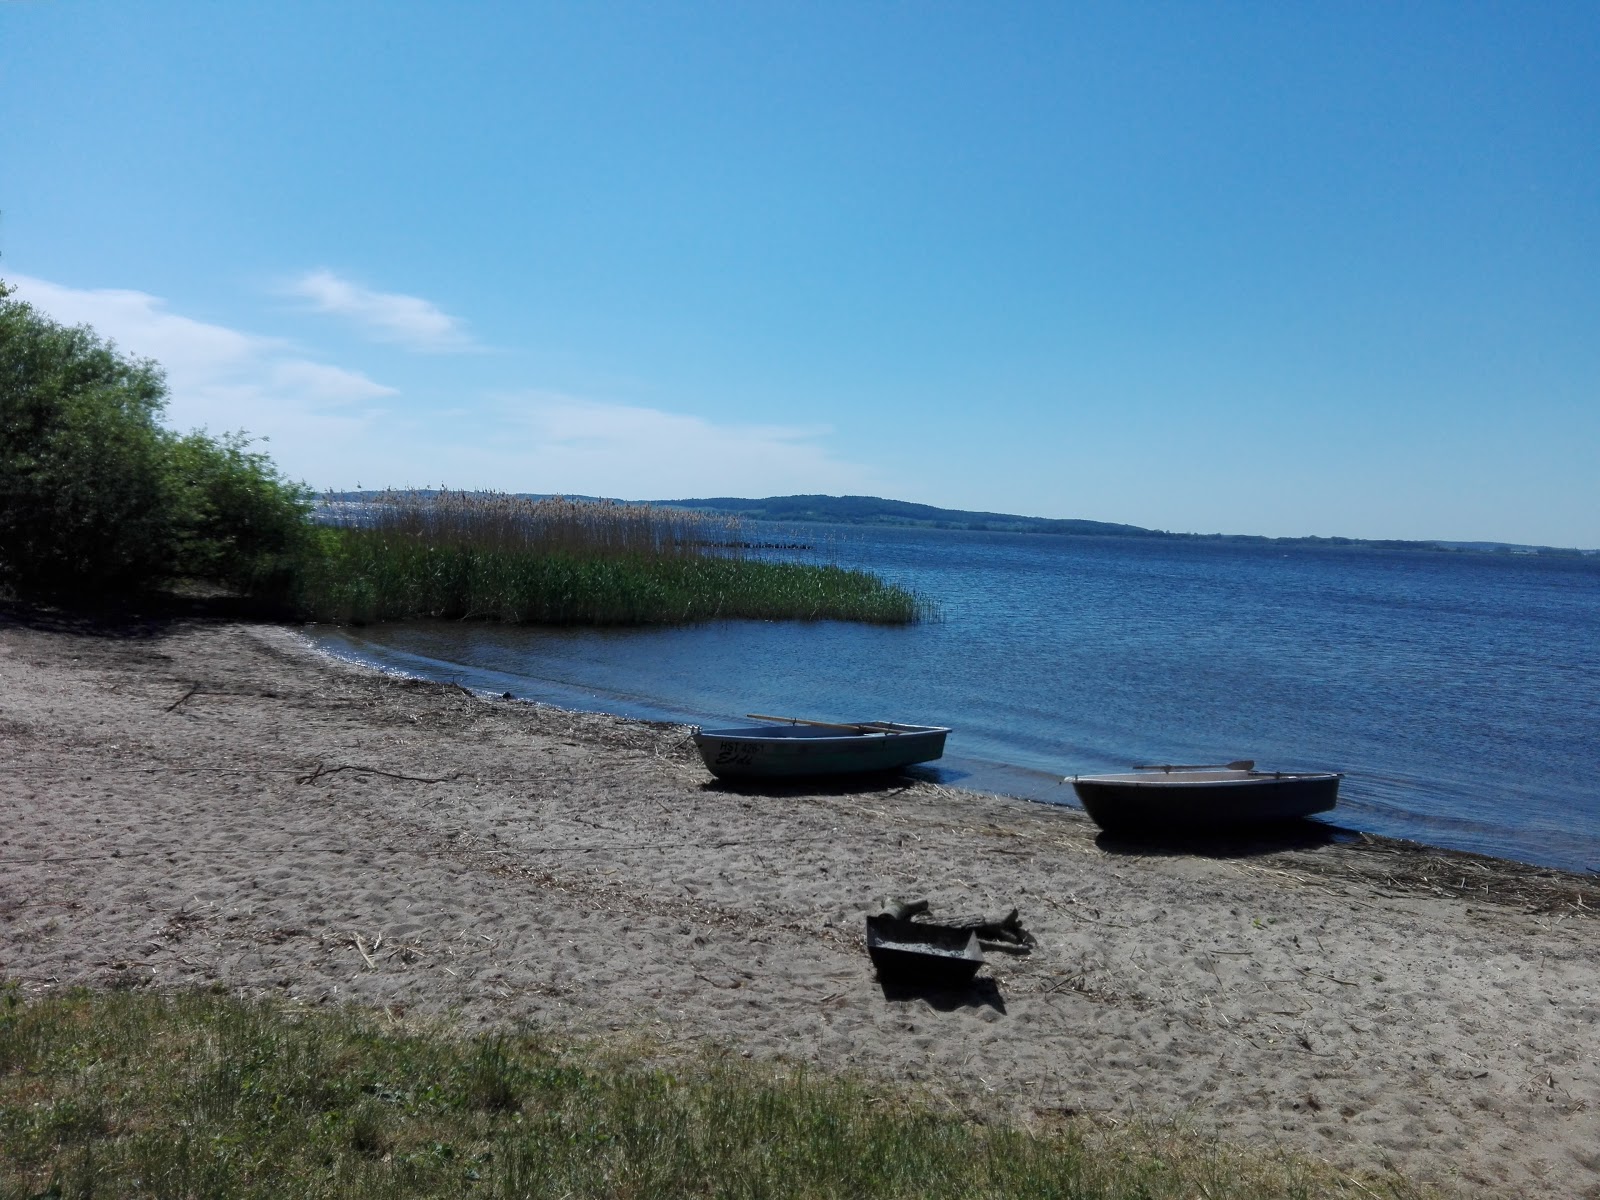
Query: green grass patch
(198, 1095)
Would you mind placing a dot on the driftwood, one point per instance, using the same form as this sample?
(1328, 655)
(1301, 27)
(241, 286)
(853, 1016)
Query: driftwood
(1005, 933)
(902, 909)
(994, 933)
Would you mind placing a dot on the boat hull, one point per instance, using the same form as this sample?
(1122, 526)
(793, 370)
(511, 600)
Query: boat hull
(779, 753)
(1165, 802)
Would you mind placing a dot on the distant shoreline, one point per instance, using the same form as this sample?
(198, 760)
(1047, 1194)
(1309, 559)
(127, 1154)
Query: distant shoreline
(875, 511)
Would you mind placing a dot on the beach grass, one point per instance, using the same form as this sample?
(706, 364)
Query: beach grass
(486, 556)
(131, 1093)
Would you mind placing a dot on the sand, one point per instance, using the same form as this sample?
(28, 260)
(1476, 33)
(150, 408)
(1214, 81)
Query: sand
(202, 803)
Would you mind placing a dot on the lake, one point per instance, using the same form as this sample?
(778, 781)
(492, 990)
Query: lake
(1459, 693)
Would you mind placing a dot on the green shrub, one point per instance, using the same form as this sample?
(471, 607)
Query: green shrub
(83, 481)
(237, 520)
(98, 498)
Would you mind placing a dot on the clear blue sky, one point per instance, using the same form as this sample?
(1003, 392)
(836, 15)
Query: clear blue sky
(1260, 268)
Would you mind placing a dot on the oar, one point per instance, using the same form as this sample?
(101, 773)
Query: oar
(869, 728)
(1244, 764)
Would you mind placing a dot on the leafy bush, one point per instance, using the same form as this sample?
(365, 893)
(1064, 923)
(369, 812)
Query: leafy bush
(237, 520)
(83, 493)
(97, 497)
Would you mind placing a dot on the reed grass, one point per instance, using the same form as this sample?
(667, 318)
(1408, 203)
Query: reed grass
(127, 1093)
(460, 555)
(496, 521)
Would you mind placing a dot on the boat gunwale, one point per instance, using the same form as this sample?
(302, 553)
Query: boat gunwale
(751, 733)
(1170, 781)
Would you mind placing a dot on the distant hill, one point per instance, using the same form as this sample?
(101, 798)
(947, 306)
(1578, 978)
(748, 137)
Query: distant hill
(874, 510)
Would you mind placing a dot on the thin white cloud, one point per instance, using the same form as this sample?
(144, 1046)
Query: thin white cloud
(391, 317)
(328, 425)
(555, 443)
(224, 379)
(319, 381)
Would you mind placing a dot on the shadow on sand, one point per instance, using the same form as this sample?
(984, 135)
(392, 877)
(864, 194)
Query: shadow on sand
(982, 992)
(138, 618)
(1244, 842)
(876, 782)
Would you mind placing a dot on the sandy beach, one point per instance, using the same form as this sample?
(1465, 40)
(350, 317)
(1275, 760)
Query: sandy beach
(201, 803)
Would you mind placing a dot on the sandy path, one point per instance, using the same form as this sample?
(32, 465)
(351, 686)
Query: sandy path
(211, 803)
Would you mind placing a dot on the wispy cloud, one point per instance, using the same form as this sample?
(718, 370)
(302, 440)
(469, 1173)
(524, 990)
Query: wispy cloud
(391, 317)
(221, 378)
(331, 426)
(556, 443)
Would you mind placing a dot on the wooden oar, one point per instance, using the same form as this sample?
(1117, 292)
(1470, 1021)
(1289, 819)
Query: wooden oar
(868, 728)
(1244, 764)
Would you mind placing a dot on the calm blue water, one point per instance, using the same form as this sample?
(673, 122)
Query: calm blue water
(1460, 694)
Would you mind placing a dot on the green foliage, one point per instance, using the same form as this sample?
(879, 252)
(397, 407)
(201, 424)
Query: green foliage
(83, 490)
(127, 1093)
(236, 518)
(97, 497)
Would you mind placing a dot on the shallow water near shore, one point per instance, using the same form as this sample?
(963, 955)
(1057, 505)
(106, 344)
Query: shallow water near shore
(1459, 693)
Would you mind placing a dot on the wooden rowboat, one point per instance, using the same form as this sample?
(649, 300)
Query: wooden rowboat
(804, 748)
(1168, 800)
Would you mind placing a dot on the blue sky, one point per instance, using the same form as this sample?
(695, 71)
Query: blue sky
(1260, 268)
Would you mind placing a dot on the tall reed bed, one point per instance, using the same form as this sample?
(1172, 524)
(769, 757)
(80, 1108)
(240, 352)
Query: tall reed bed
(127, 1094)
(555, 525)
(474, 555)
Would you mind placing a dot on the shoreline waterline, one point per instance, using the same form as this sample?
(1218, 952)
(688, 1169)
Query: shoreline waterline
(980, 776)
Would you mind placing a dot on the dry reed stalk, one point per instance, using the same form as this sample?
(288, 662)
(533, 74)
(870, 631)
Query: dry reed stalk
(496, 521)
